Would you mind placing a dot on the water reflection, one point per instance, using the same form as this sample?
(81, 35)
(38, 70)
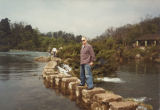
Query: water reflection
(143, 67)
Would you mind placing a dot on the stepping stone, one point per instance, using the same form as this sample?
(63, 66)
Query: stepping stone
(51, 65)
(58, 80)
(49, 71)
(87, 95)
(72, 86)
(101, 101)
(66, 81)
(123, 105)
(42, 59)
(106, 97)
(79, 91)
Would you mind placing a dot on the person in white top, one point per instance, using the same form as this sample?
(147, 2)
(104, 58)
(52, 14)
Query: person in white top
(54, 51)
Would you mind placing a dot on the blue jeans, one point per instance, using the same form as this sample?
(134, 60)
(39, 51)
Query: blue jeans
(86, 74)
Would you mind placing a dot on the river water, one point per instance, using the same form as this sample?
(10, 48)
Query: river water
(22, 88)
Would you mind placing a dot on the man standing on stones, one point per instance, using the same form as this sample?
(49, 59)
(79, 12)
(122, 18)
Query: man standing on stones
(87, 57)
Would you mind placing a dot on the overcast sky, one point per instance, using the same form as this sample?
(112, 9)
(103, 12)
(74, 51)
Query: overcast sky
(86, 17)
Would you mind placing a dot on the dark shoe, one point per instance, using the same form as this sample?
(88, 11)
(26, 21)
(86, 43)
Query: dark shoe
(90, 88)
(80, 85)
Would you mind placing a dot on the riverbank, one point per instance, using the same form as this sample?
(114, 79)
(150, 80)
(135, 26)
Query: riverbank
(67, 85)
(141, 54)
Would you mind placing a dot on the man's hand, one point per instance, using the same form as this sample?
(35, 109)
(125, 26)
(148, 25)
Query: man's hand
(91, 63)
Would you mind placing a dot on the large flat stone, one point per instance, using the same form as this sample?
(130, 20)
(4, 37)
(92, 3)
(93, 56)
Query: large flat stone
(51, 78)
(47, 76)
(72, 86)
(123, 105)
(51, 65)
(66, 81)
(106, 97)
(50, 71)
(98, 106)
(101, 101)
(42, 59)
(58, 79)
(79, 91)
(54, 76)
(87, 95)
(57, 76)
(56, 59)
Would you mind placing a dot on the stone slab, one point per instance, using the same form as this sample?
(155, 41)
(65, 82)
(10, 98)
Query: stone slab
(58, 80)
(42, 59)
(79, 91)
(72, 87)
(87, 95)
(66, 81)
(51, 65)
(106, 97)
(98, 106)
(101, 101)
(123, 105)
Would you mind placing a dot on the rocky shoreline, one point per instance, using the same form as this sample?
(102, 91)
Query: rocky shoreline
(95, 99)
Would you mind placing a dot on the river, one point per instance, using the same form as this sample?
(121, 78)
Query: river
(22, 88)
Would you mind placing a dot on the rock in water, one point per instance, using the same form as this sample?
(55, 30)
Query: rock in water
(50, 68)
(56, 59)
(124, 105)
(51, 65)
(42, 59)
(87, 95)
